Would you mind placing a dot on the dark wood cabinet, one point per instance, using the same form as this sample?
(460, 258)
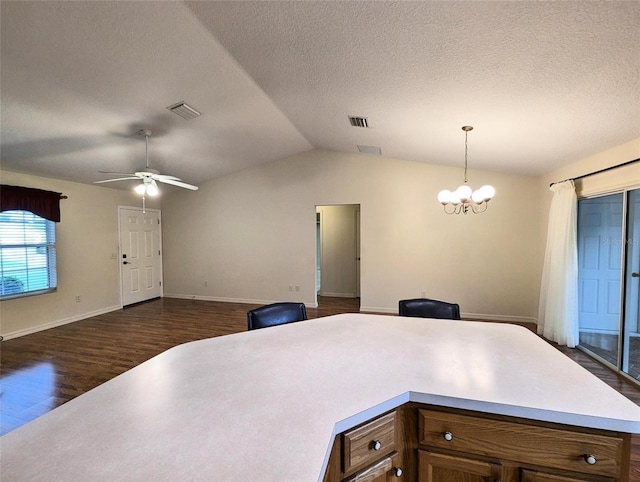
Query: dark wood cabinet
(374, 451)
(425, 443)
(436, 467)
(503, 449)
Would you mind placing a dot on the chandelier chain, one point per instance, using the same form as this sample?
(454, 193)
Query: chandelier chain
(466, 136)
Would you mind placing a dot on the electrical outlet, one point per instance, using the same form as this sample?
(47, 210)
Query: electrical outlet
(206, 283)
(78, 299)
(290, 287)
(297, 287)
(424, 294)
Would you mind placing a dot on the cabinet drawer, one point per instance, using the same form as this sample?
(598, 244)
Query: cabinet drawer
(367, 443)
(526, 444)
(378, 471)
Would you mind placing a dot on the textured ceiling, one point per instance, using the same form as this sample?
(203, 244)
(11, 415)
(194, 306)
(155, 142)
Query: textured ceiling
(543, 83)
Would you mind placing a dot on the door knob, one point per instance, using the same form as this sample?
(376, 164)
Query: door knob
(635, 275)
(126, 262)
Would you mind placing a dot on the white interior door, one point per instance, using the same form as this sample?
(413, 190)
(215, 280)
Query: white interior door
(140, 254)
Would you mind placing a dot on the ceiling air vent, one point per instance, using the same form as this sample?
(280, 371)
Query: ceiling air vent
(185, 111)
(373, 150)
(358, 121)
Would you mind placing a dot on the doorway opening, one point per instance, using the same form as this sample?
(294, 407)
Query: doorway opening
(337, 252)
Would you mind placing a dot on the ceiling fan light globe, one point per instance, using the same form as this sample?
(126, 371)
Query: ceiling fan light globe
(152, 190)
(141, 189)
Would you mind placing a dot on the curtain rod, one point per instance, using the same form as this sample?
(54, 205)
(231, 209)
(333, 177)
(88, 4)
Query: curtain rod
(596, 172)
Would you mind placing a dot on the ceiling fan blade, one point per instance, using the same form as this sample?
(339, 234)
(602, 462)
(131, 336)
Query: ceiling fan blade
(160, 177)
(118, 173)
(118, 179)
(178, 183)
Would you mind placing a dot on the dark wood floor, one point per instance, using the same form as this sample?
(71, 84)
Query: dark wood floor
(41, 371)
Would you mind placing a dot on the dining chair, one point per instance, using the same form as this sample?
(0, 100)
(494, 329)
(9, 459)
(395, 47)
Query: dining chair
(426, 308)
(276, 314)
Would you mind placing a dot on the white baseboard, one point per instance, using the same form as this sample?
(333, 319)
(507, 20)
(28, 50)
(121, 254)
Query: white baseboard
(338, 295)
(506, 318)
(377, 309)
(464, 316)
(64, 321)
(229, 300)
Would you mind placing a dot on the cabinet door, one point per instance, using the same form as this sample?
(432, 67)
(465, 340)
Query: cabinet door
(447, 468)
(535, 476)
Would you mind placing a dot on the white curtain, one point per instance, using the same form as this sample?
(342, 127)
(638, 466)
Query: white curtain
(558, 309)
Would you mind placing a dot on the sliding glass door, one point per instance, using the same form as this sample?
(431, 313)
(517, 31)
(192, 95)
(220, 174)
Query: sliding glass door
(608, 282)
(631, 333)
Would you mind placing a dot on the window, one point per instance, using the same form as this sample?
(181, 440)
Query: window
(27, 254)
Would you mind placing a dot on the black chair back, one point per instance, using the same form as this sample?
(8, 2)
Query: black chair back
(426, 308)
(276, 314)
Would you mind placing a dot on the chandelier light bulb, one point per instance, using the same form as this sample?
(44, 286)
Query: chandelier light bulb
(488, 192)
(141, 188)
(478, 196)
(444, 196)
(464, 192)
(455, 198)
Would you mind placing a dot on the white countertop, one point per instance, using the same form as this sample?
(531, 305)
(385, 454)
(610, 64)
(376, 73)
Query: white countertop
(265, 405)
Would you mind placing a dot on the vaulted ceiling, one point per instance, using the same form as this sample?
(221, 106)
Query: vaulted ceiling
(543, 83)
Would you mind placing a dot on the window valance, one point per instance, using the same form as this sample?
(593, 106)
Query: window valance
(45, 204)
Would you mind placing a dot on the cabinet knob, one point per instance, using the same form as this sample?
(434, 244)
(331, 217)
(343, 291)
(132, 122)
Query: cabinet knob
(376, 445)
(590, 459)
(448, 436)
(397, 471)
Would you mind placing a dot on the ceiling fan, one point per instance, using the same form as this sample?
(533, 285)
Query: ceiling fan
(147, 175)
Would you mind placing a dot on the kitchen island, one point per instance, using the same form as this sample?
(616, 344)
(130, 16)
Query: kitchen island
(266, 405)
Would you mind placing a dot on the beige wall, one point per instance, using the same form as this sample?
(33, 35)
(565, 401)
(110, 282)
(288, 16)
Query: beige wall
(87, 236)
(252, 234)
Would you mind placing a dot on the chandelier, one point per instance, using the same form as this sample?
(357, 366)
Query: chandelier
(465, 199)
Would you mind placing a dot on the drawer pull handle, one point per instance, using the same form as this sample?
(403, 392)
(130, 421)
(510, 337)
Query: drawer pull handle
(590, 459)
(376, 445)
(397, 471)
(448, 436)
